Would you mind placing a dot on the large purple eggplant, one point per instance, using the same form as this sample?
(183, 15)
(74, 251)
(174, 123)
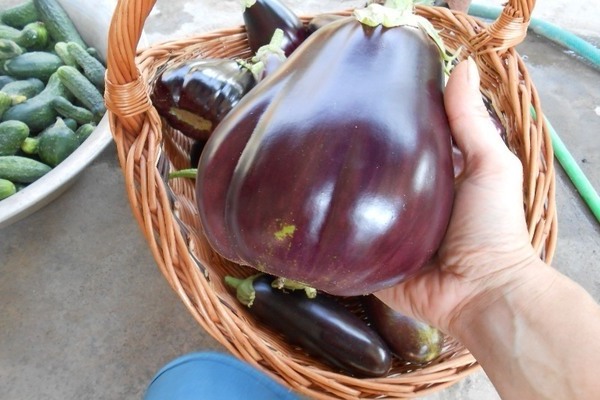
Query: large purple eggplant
(263, 17)
(335, 171)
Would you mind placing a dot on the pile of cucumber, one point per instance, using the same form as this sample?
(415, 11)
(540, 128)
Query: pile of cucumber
(51, 91)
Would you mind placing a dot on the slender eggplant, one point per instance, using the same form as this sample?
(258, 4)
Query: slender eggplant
(336, 170)
(321, 326)
(195, 95)
(409, 339)
(263, 17)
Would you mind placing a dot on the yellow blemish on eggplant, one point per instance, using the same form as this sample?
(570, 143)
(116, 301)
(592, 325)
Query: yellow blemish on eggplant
(285, 232)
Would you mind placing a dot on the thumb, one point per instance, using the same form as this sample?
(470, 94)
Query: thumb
(472, 128)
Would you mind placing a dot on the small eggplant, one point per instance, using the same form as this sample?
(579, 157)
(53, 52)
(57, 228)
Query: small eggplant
(336, 170)
(321, 326)
(262, 17)
(408, 339)
(194, 96)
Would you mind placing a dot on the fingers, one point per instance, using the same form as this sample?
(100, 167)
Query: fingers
(472, 128)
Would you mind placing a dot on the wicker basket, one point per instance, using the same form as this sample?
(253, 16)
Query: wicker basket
(166, 210)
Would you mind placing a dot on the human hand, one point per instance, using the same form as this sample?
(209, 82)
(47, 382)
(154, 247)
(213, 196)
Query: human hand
(487, 244)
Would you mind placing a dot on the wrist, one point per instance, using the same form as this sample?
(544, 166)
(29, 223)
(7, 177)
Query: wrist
(515, 290)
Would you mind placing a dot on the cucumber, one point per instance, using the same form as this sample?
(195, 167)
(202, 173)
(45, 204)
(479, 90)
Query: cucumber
(18, 169)
(5, 103)
(37, 112)
(93, 69)
(60, 48)
(56, 143)
(68, 110)
(5, 79)
(71, 123)
(12, 135)
(10, 33)
(82, 89)
(24, 89)
(33, 64)
(33, 35)
(7, 188)
(20, 15)
(9, 49)
(57, 21)
(84, 131)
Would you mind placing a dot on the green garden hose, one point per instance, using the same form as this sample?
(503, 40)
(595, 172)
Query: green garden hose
(585, 50)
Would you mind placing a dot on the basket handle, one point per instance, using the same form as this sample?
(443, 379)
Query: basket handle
(508, 30)
(126, 93)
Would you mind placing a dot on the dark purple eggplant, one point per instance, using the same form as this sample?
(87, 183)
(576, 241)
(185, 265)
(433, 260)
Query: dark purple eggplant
(262, 17)
(194, 96)
(196, 151)
(320, 326)
(336, 170)
(408, 339)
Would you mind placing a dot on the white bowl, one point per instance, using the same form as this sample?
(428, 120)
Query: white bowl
(92, 20)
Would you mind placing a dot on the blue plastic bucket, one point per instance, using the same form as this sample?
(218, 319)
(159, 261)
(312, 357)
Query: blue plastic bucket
(214, 376)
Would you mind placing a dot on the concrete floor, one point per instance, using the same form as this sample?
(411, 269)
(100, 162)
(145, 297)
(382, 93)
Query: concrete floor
(84, 311)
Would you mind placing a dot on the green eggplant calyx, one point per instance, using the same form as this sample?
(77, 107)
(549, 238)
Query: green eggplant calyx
(260, 59)
(374, 14)
(244, 288)
(273, 47)
(289, 284)
(401, 13)
(248, 3)
(184, 173)
(432, 341)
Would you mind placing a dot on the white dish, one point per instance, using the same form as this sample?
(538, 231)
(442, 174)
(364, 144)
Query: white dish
(92, 20)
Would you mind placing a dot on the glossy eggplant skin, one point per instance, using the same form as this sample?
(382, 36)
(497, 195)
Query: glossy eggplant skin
(321, 327)
(336, 170)
(409, 340)
(264, 16)
(194, 96)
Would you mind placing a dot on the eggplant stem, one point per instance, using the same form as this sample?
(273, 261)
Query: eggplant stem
(290, 284)
(184, 173)
(401, 13)
(244, 289)
(248, 3)
(258, 62)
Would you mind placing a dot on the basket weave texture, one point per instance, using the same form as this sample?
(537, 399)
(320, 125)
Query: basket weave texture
(166, 211)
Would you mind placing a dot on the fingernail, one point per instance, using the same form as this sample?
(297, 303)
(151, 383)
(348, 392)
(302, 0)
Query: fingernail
(472, 73)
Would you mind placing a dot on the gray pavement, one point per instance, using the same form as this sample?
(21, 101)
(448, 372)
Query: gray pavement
(84, 310)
